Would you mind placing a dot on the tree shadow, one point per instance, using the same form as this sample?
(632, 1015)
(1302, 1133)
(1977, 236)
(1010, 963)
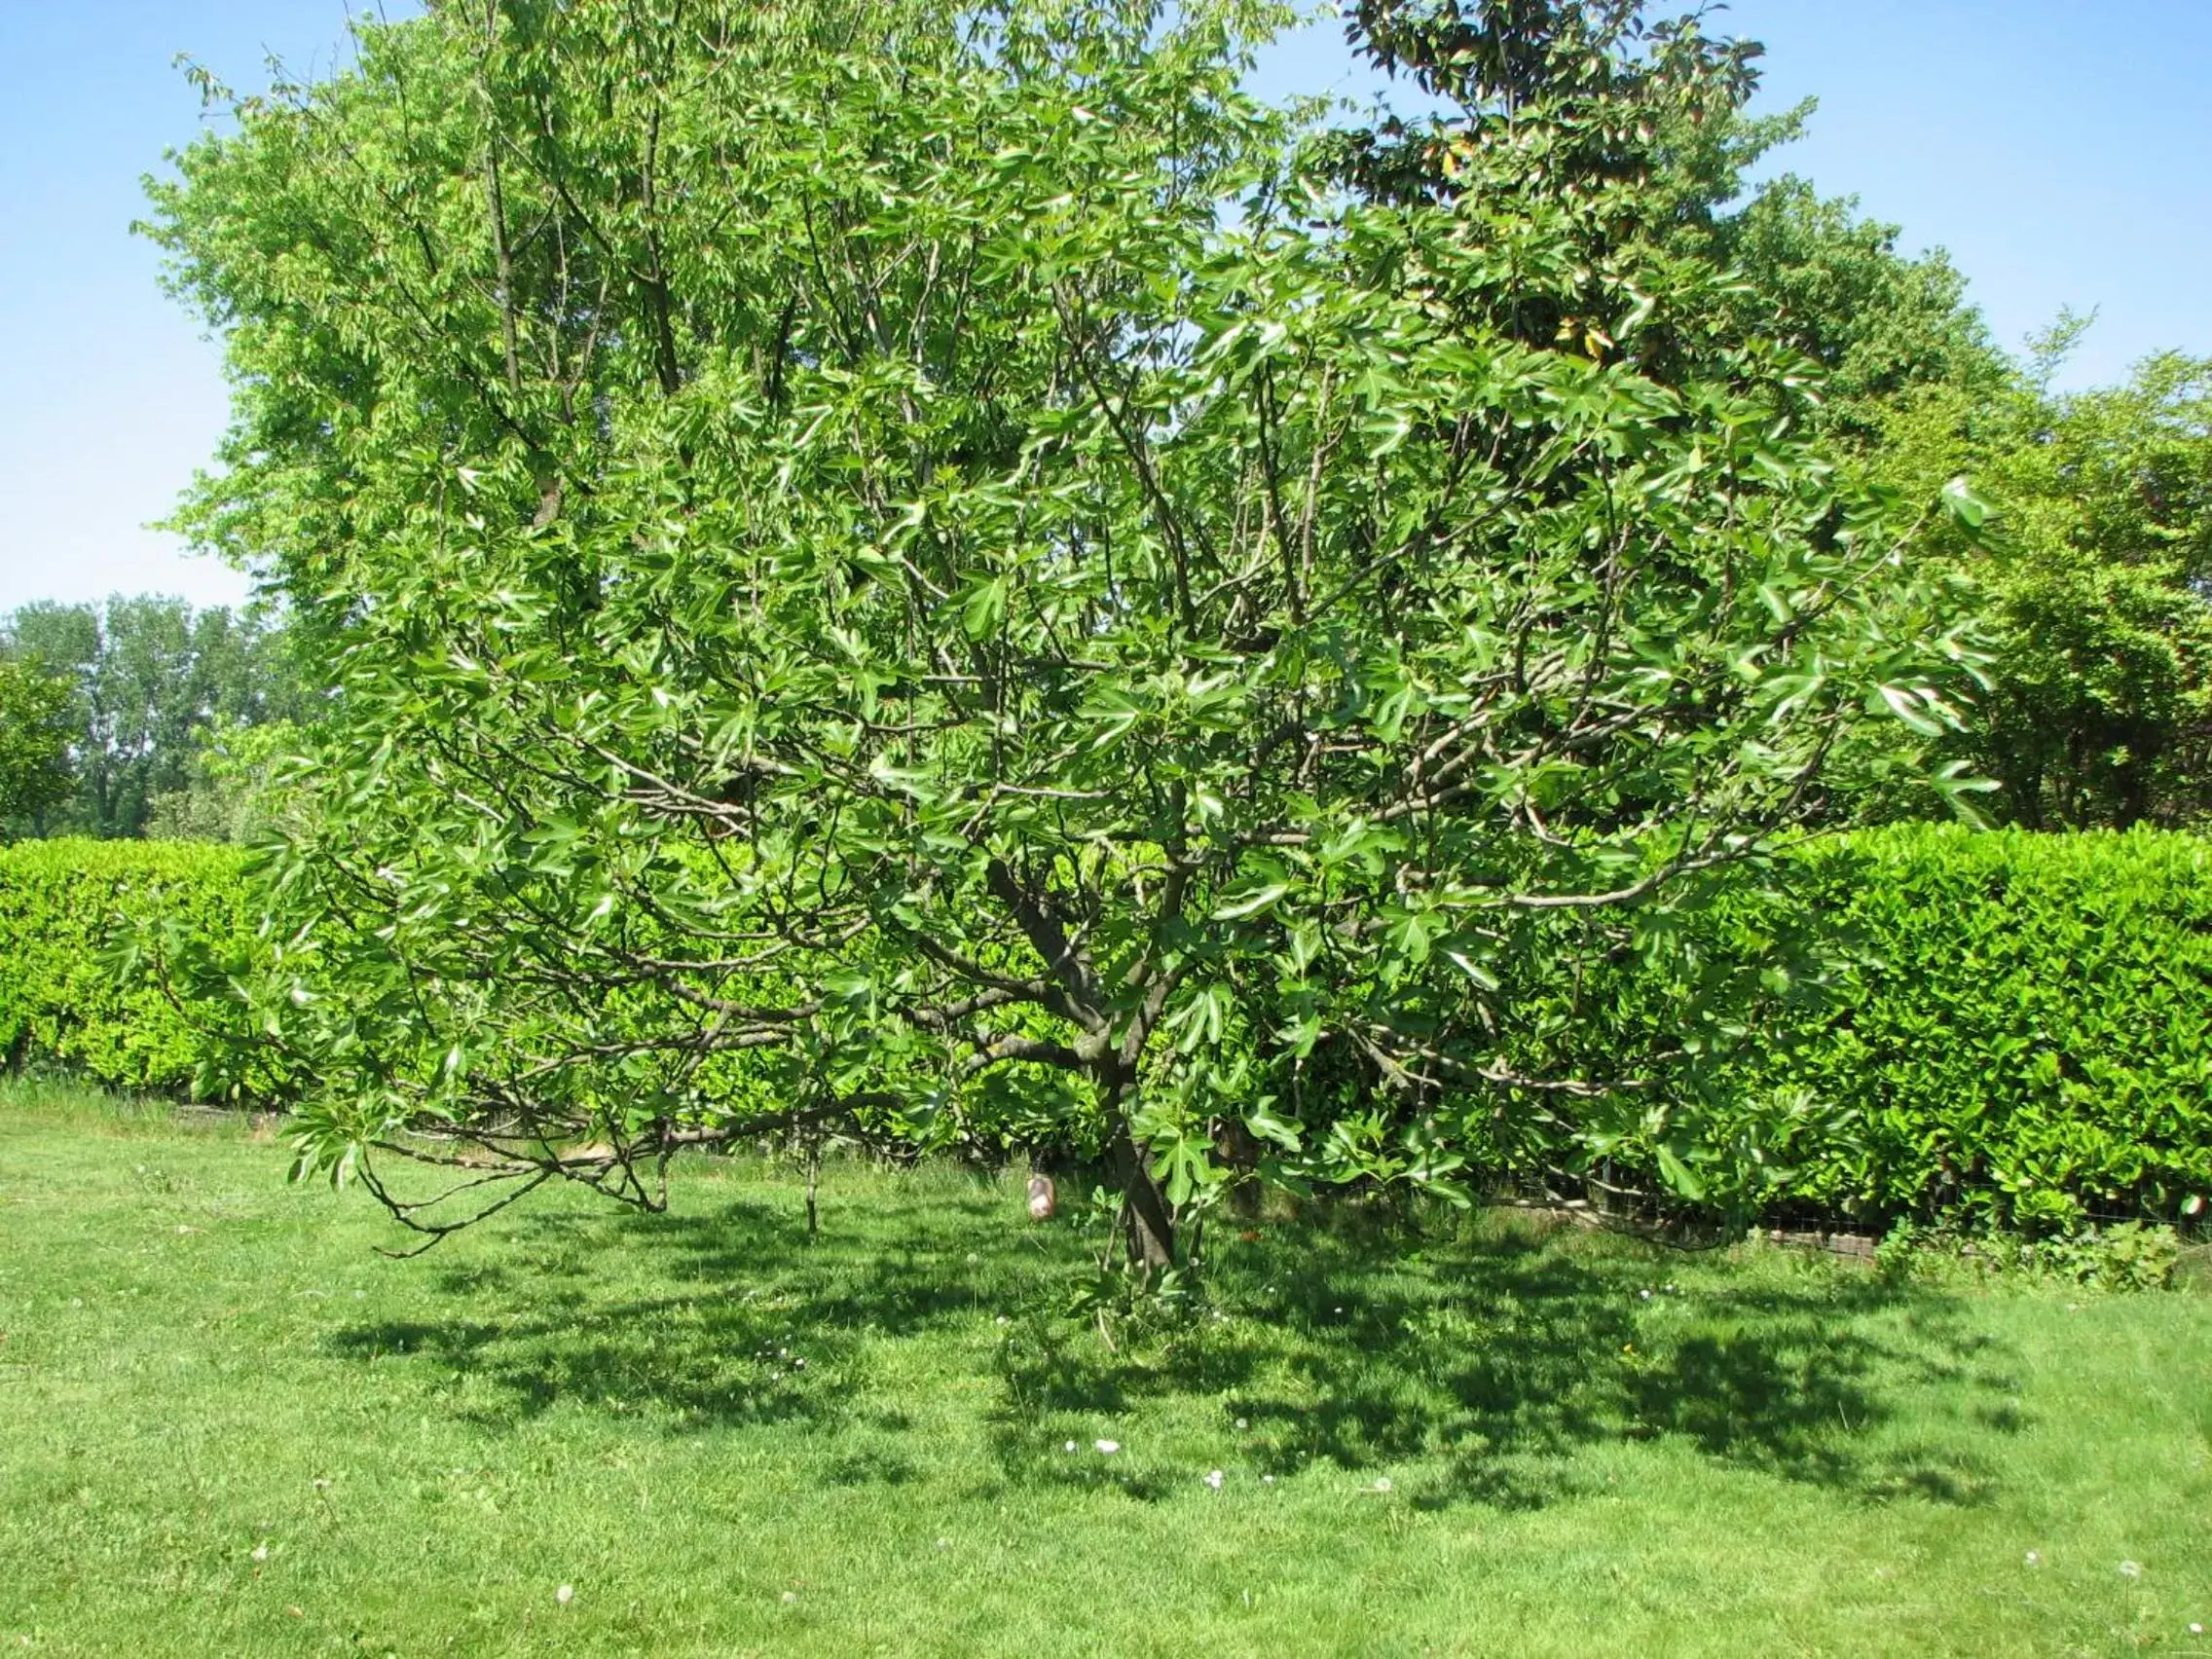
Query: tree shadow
(1486, 1358)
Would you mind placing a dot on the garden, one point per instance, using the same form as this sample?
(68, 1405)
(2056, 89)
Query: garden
(1012, 856)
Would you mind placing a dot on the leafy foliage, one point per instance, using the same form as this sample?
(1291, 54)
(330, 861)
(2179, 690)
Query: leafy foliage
(866, 595)
(1883, 326)
(2093, 572)
(101, 944)
(1995, 1030)
(236, 791)
(34, 740)
(2015, 1037)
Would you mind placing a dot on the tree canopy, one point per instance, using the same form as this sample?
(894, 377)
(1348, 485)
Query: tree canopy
(946, 581)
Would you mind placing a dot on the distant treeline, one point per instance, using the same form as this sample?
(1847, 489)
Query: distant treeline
(142, 706)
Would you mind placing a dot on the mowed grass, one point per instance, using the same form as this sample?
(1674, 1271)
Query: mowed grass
(227, 1426)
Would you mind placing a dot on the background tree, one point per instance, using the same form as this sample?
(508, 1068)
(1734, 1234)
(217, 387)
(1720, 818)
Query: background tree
(34, 744)
(236, 791)
(1883, 326)
(2092, 577)
(149, 678)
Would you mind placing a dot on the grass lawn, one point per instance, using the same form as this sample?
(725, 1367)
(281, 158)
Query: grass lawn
(228, 1427)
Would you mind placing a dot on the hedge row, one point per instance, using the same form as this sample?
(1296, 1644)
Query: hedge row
(2027, 1032)
(2022, 1032)
(67, 911)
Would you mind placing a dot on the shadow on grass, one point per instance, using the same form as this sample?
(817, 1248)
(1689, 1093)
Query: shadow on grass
(1488, 1360)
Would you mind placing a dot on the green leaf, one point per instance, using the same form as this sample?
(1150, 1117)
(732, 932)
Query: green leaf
(1970, 510)
(983, 608)
(1678, 1175)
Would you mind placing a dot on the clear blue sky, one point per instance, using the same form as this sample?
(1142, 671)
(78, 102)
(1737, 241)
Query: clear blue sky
(2062, 153)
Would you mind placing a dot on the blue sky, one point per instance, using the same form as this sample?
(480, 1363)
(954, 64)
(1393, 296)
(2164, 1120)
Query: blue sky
(2063, 155)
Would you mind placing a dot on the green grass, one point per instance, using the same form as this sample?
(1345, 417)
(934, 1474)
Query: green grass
(227, 1426)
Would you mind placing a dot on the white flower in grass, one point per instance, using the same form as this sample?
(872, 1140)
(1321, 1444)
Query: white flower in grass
(790, 1597)
(2131, 1570)
(2034, 1557)
(564, 1595)
(1108, 1446)
(1213, 1480)
(2197, 1630)
(1267, 1479)
(1241, 1423)
(261, 1552)
(1070, 1445)
(1383, 1484)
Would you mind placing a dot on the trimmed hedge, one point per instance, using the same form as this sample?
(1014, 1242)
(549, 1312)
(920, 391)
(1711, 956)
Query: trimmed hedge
(66, 907)
(2020, 1033)
(2026, 1036)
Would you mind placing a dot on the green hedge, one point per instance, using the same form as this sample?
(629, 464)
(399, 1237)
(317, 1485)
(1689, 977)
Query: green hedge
(66, 907)
(2013, 1029)
(2028, 1032)
(2021, 1032)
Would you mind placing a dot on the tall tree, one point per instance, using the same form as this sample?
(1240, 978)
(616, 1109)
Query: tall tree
(34, 744)
(1883, 326)
(864, 597)
(149, 679)
(2094, 575)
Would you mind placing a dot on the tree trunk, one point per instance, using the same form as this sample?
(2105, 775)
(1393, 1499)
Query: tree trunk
(1147, 1227)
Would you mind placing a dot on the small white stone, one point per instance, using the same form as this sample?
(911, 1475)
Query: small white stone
(564, 1595)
